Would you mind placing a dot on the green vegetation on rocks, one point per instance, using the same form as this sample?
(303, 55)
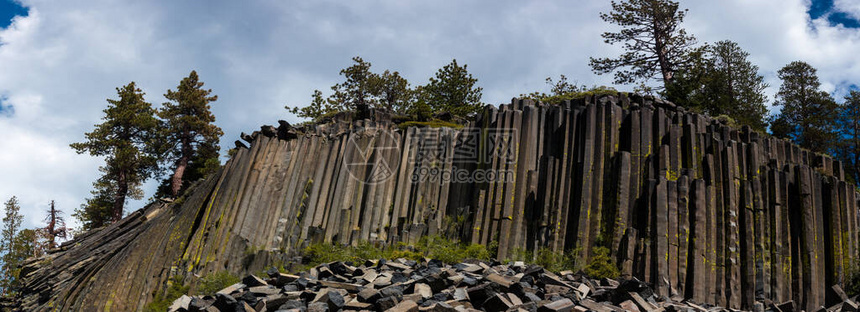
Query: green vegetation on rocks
(214, 282)
(600, 264)
(433, 247)
(430, 124)
(176, 288)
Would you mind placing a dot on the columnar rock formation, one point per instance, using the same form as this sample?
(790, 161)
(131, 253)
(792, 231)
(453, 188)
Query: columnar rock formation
(697, 208)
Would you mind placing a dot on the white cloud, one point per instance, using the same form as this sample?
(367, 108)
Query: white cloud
(777, 32)
(848, 6)
(62, 61)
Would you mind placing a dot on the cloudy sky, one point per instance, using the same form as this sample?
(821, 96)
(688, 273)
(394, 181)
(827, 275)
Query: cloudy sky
(60, 60)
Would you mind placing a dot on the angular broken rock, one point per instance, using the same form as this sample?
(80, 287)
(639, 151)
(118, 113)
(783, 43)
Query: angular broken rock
(405, 306)
(353, 288)
(181, 304)
(231, 289)
(438, 307)
(427, 286)
(264, 290)
(252, 281)
(368, 295)
(386, 303)
(505, 282)
(628, 305)
(423, 290)
(317, 307)
(850, 306)
(562, 305)
(333, 299)
(499, 302)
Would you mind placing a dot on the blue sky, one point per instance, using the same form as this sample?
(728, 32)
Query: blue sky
(8, 10)
(60, 60)
(834, 15)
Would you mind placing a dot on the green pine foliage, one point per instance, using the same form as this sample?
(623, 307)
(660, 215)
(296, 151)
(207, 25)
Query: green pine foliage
(125, 139)
(96, 211)
(720, 80)
(189, 137)
(11, 225)
(318, 109)
(27, 243)
(807, 114)
(393, 91)
(453, 90)
(848, 149)
(356, 92)
(361, 91)
(655, 45)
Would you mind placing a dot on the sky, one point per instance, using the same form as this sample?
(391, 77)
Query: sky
(60, 60)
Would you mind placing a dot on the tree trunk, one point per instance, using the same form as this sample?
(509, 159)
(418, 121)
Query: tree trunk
(181, 164)
(52, 222)
(119, 197)
(176, 182)
(662, 53)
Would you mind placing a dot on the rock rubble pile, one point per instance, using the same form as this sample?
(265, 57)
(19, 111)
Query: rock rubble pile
(406, 285)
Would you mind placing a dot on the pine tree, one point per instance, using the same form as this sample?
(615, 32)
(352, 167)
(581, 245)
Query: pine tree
(26, 244)
(420, 108)
(655, 44)
(807, 115)
(11, 224)
(392, 91)
(721, 81)
(362, 91)
(189, 129)
(96, 211)
(126, 140)
(561, 88)
(318, 108)
(849, 149)
(356, 93)
(453, 90)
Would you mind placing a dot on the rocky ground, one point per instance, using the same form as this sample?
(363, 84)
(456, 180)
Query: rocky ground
(406, 285)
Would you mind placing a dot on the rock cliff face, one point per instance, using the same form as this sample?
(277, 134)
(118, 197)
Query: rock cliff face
(685, 202)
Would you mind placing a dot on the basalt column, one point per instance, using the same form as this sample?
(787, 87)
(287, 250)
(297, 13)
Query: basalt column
(697, 208)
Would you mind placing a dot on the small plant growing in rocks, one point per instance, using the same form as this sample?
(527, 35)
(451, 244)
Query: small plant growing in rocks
(213, 282)
(601, 265)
